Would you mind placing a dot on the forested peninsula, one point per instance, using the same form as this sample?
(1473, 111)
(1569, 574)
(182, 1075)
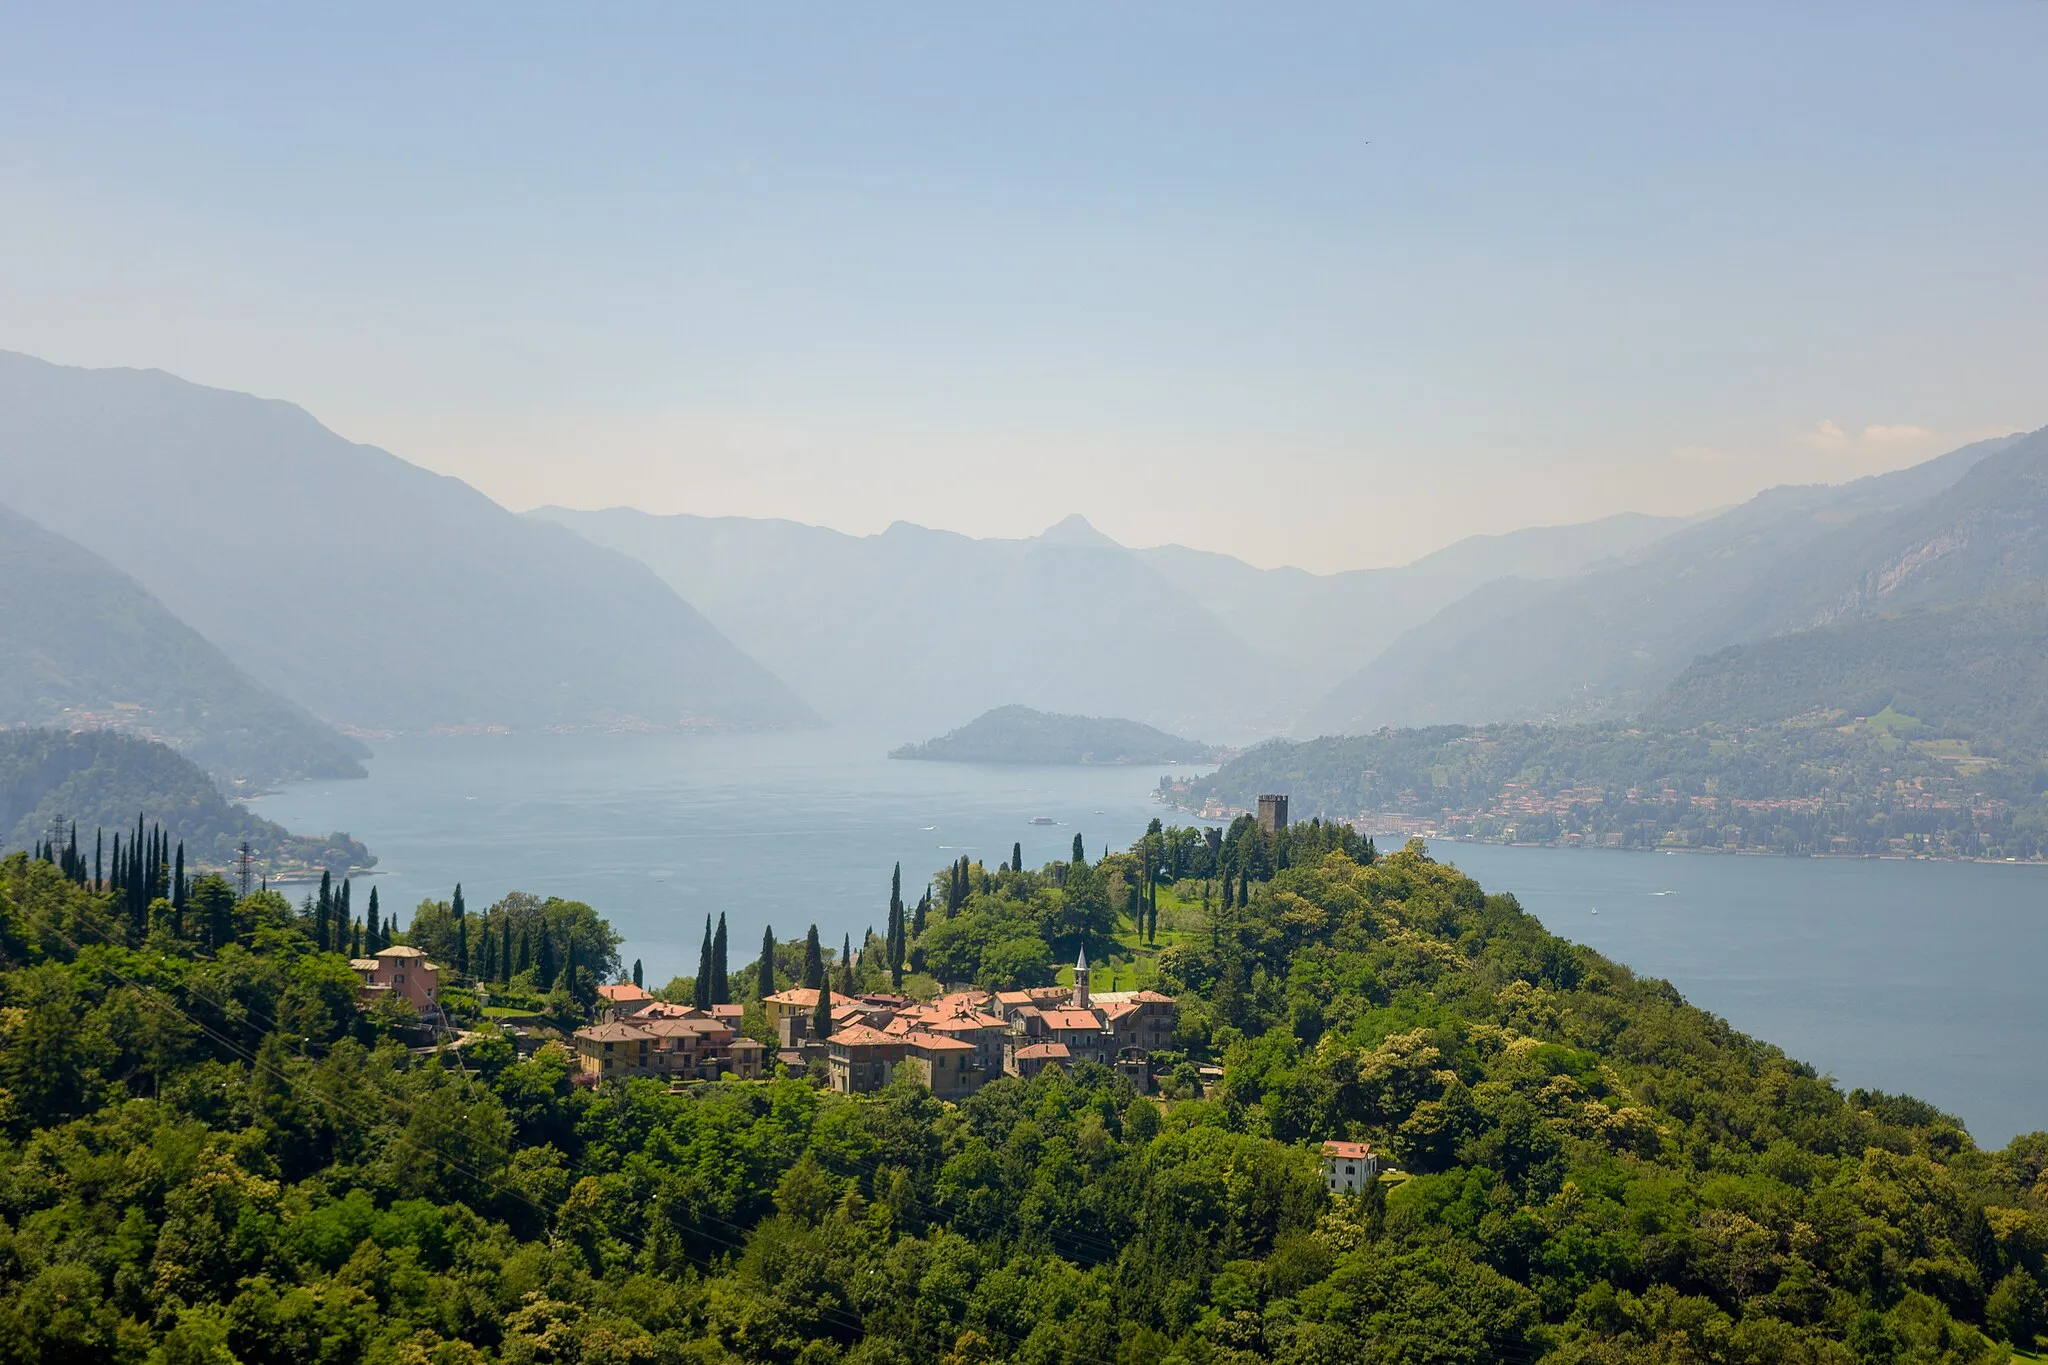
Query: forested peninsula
(210, 1150)
(58, 785)
(1018, 734)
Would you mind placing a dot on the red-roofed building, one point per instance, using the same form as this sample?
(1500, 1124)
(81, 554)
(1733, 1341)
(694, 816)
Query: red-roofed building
(1349, 1167)
(401, 970)
(1032, 1058)
(613, 1050)
(945, 1065)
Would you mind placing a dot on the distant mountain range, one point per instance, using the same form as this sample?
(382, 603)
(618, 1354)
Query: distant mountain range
(920, 629)
(372, 592)
(1608, 640)
(1018, 734)
(83, 644)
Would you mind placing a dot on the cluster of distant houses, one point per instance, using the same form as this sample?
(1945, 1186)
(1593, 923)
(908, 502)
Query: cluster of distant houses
(952, 1045)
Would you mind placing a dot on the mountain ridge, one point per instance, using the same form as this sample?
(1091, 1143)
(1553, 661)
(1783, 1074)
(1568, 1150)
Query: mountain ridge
(84, 645)
(1609, 639)
(373, 592)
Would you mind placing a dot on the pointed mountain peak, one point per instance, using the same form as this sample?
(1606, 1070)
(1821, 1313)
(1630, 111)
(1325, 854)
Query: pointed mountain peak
(1076, 530)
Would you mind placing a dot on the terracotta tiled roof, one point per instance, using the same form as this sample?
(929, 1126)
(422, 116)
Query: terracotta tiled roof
(399, 950)
(1348, 1151)
(662, 1009)
(932, 1042)
(860, 1035)
(615, 1033)
(1051, 1052)
(1068, 1020)
(686, 1028)
(728, 1012)
(363, 964)
(796, 995)
(748, 1045)
(624, 993)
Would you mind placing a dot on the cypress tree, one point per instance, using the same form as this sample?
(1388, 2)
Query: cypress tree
(546, 974)
(323, 912)
(703, 999)
(178, 880)
(487, 966)
(346, 912)
(1017, 857)
(894, 932)
(505, 968)
(814, 961)
(764, 970)
(355, 938)
(821, 1018)
(461, 931)
(379, 933)
(846, 965)
(721, 976)
(525, 948)
(99, 837)
(924, 906)
(1080, 858)
(636, 972)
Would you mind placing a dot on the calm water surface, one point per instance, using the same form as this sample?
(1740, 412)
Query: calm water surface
(1920, 977)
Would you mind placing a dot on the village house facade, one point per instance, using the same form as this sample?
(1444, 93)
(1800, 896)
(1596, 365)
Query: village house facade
(402, 971)
(1349, 1167)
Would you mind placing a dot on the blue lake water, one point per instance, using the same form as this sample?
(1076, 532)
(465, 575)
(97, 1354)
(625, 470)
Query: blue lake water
(1921, 977)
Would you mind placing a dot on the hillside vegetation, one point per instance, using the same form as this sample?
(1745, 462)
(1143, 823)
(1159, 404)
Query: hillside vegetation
(82, 644)
(1974, 670)
(1018, 734)
(206, 1153)
(98, 779)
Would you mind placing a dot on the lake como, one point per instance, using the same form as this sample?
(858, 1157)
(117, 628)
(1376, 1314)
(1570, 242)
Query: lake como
(1923, 977)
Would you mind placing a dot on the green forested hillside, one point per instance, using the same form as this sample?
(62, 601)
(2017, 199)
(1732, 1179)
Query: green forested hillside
(207, 1155)
(81, 643)
(1974, 670)
(1018, 734)
(98, 779)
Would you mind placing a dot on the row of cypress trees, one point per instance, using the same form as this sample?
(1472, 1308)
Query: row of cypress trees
(714, 986)
(143, 871)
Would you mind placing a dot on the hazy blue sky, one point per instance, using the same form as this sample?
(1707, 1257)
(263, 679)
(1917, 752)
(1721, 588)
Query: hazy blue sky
(1324, 285)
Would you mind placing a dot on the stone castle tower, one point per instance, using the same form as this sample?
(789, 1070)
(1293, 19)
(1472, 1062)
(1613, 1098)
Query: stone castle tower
(1081, 981)
(1272, 813)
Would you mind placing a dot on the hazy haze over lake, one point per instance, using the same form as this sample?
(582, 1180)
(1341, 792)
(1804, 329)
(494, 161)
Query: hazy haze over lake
(1904, 976)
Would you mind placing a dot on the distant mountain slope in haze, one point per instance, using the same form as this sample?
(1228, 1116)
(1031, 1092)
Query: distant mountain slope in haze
(1018, 734)
(369, 590)
(1330, 625)
(921, 629)
(1976, 669)
(1611, 638)
(83, 645)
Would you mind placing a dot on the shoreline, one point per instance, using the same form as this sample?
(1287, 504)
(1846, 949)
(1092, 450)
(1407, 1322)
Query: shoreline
(1433, 838)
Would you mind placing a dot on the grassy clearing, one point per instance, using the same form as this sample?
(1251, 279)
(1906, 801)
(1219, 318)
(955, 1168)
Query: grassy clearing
(1135, 964)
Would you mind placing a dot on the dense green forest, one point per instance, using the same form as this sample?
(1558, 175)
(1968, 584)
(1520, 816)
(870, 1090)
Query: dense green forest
(1975, 671)
(1881, 784)
(208, 1154)
(101, 780)
(1018, 734)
